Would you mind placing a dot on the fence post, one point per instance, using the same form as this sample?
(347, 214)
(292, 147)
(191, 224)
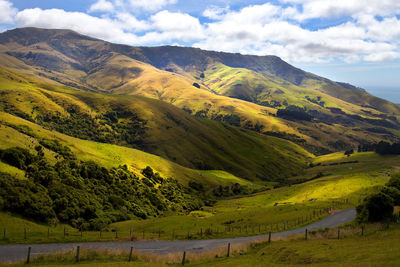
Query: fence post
(28, 258)
(100, 233)
(229, 250)
(77, 253)
(306, 234)
(159, 233)
(130, 254)
(201, 232)
(183, 258)
(269, 237)
(116, 234)
(362, 230)
(64, 231)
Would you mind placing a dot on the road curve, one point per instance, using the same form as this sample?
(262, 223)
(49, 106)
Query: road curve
(17, 253)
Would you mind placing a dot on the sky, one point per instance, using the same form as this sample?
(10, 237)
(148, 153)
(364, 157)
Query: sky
(354, 41)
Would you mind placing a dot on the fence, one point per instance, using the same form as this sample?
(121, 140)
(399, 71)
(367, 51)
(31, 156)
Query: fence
(227, 250)
(27, 235)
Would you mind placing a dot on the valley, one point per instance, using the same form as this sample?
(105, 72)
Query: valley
(108, 142)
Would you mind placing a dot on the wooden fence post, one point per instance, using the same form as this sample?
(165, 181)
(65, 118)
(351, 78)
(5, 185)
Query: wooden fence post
(64, 231)
(201, 232)
(100, 233)
(28, 258)
(362, 230)
(77, 253)
(130, 254)
(116, 234)
(306, 233)
(269, 237)
(229, 250)
(183, 258)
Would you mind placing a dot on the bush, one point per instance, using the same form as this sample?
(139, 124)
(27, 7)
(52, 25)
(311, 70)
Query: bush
(85, 194)
(375, 208)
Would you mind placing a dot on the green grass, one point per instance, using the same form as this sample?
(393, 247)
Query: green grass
(170, 132)
(351, 182)
(378, 247)
(258, 213)
(17, 173)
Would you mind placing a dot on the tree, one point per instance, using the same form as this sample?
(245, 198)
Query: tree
(375, 208)
(349, 152)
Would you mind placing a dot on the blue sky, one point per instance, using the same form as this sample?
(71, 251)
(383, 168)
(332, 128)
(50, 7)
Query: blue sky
(345, 40)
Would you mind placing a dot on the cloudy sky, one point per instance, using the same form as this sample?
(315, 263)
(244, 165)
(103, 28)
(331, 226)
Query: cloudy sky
(356, 41)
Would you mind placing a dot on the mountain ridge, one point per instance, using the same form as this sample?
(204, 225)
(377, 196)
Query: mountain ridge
(210, 84)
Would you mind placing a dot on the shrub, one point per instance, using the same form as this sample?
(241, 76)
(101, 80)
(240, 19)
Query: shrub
(375, 208)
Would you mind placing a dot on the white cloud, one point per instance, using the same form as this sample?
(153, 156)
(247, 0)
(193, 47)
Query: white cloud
(102, 28)
(101, 6)
(215, 12)
(7, 12)
(255, 29)
(336, 8)
(175, 25)
(151, 5)
(130, 23)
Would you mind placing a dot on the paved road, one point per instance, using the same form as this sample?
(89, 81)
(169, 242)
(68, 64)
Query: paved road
(15, 253)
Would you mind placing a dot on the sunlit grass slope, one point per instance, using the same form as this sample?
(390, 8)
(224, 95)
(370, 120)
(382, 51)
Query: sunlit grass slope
(105, 154)
(337, 183)
(205, 84)
(170, 132)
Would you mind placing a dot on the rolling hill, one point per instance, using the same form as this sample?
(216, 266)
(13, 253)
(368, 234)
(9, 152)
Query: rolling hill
(245, 91)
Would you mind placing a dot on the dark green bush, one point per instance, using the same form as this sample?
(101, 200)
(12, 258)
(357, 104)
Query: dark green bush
(375, 208)
(85, 194)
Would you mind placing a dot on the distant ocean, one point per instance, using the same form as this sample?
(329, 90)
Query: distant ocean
(389, 93)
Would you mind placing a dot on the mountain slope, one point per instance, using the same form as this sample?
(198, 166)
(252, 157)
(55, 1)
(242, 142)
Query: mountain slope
(246, 91)
(152, 126)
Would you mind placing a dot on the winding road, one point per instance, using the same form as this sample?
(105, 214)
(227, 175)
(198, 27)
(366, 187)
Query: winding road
(17, 253)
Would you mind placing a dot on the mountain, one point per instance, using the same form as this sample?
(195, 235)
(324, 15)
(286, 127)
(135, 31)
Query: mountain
(262, 94)
(147, 124)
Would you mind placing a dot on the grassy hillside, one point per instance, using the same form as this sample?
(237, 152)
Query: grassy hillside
(150, 125)
(335, 179)
(246, 91)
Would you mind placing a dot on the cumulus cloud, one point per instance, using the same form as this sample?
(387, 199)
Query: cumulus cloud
(371, 34)
(151, 5)
(335, 8)
(101, 6)
(215, 12)
(102, 28)
(7, 12)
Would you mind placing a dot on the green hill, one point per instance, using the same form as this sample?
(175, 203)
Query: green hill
(153, 126)
(242, 90)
